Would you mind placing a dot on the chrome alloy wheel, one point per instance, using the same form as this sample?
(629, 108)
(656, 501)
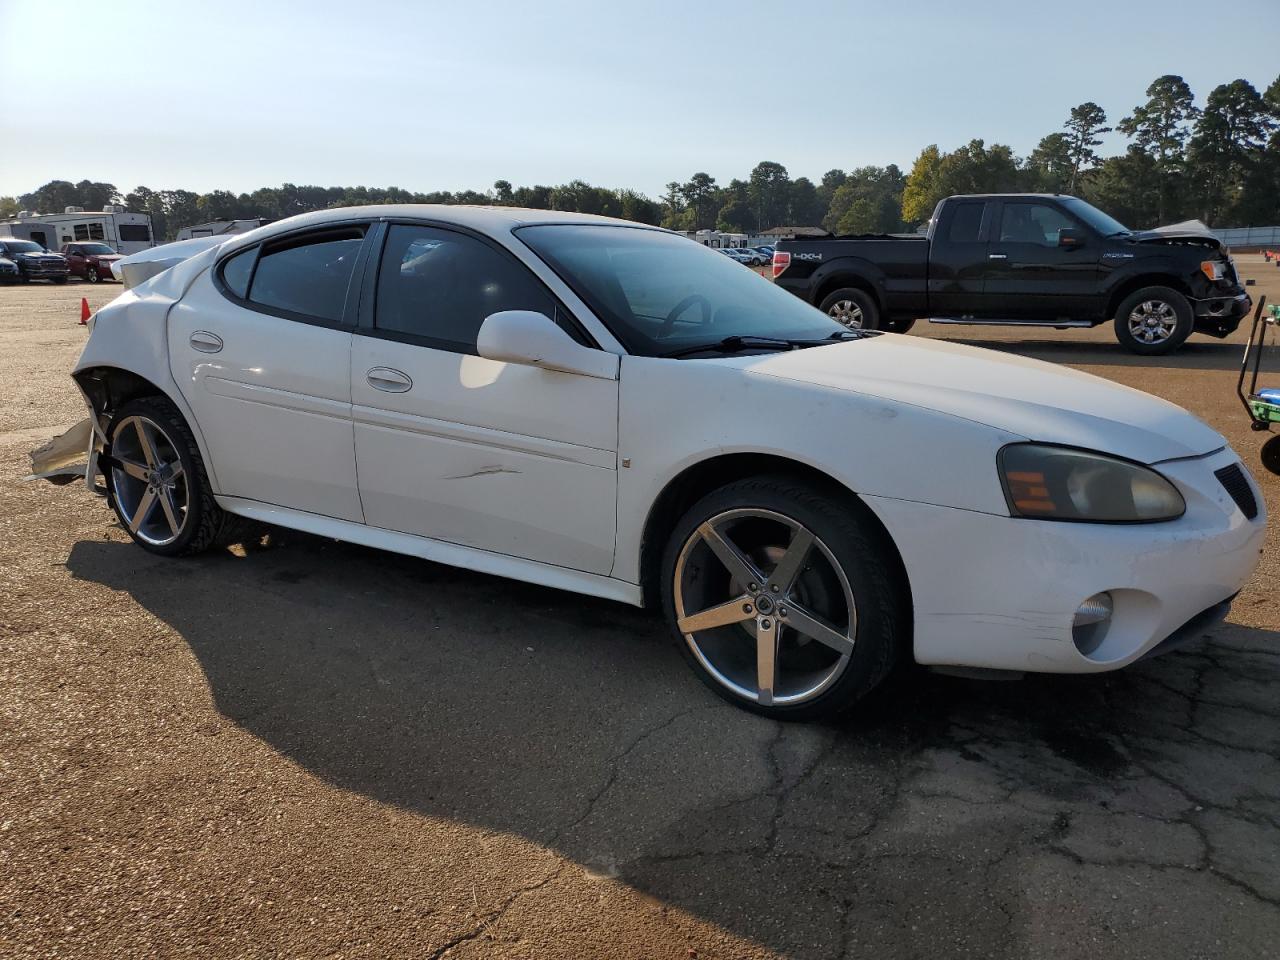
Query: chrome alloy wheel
(1153, 321)
(764, 606)
(846, 312)
(148, 481)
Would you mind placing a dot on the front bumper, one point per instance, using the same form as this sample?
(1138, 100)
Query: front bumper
(1219, 316)
(1001, 593)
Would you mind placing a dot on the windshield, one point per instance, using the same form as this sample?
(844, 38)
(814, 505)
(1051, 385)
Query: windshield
(1104, 224)
(22, 246)
(660, 293)
(96, 249)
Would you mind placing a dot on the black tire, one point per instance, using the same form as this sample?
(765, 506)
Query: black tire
(858, 544)
(205, 524)
(1271, 455)
(839, 303)
(61, 280)
(1158, 298)
(91, 274)
(899, 326)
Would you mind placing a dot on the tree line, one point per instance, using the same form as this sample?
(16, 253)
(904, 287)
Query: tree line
(1219, 162)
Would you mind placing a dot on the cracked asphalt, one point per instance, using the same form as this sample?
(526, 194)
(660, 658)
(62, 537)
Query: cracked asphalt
(307, 749)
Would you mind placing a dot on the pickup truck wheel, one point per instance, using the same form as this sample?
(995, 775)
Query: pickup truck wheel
(91, 274)
(1153, 321)
(854, 308)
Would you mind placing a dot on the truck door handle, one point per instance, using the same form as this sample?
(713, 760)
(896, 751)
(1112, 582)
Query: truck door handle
(997, 256)
(388, 380)
(206, 342)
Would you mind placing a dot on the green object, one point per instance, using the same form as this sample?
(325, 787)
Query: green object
(1265, 410)
(1274, 309)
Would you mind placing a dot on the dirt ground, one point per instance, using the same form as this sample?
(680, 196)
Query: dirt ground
(316, 750)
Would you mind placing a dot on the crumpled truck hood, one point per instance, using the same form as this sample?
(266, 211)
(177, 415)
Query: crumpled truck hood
(1033, 399)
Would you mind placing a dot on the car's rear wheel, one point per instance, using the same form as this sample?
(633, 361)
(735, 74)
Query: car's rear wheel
(854, 308)
(783, 597)
(1153, 321)
(156, 481)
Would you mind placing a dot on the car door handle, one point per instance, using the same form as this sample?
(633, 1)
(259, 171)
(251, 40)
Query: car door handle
(997, 256)
(206, 342)
(388, 380)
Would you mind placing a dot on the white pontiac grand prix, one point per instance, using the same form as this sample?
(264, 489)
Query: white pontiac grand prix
(612, 409)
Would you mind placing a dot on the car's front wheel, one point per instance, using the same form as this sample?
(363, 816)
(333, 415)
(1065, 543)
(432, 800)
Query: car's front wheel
(1153, 321)
(91, 274)
(783, 597)
(854, 308)
(156, 481)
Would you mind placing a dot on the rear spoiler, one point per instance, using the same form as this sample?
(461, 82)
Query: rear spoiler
(140, 267)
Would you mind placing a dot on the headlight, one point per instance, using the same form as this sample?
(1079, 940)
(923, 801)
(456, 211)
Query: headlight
(1213, 269)
(1058, 483)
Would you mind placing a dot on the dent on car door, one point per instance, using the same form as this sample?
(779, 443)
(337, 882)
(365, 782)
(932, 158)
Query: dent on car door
(260, 347)
(499, 456)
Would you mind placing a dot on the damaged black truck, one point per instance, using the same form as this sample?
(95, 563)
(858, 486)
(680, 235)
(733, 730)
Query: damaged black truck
(1033, 260)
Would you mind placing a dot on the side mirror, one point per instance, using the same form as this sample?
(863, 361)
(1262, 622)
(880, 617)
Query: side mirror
(1069, 237)
(532, 339)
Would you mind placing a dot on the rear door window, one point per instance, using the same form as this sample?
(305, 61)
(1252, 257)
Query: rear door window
(966, 222)
(307, 276)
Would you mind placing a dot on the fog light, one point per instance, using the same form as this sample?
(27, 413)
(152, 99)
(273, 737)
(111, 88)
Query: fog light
(1090, 625)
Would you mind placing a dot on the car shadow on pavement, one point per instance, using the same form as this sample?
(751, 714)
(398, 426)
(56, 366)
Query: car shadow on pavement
(944, 814)
(1192, 355)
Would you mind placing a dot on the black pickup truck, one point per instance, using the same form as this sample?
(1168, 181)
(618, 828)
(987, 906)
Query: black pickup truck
(1025, 260)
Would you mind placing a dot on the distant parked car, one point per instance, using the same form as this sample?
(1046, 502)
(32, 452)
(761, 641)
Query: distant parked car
(34, 261)
(90, 261)
(9, 272)
(746, 255)
(732, 253)
(765, 251)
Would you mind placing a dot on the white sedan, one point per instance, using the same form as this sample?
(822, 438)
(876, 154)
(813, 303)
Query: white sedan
(608, 408)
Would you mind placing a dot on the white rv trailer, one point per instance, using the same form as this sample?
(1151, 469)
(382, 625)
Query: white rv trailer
(123, 231)
(218, 228)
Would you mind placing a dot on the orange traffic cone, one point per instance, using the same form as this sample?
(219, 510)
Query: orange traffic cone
(84, 311)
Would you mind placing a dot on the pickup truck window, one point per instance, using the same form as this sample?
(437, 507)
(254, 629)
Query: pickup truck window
(1106, 226)
(966, 223)
(1036, 223)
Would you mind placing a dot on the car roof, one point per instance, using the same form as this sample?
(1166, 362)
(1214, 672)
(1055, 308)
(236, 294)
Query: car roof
(483, 219)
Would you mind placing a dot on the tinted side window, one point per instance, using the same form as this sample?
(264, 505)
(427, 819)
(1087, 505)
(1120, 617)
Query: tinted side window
(235, 272)
(966, 223)
(134, 231)
(1032, 223)
(308, 275)
(440, 286)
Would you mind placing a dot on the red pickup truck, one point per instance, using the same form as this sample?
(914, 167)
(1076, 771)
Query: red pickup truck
(90, 261)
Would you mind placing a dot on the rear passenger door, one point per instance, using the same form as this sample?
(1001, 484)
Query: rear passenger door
(502, 457)
(261, 349)
(958, 260)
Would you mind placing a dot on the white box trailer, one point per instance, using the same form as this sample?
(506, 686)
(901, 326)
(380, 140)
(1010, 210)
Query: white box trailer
(41, 233)
(123, 231)
(219, 228)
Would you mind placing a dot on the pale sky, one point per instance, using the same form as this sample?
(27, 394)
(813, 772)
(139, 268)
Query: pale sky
(429, 96)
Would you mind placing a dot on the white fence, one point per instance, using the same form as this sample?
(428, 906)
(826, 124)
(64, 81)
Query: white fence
(1250, 237)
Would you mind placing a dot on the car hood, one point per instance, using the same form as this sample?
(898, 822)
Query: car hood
(1176, 238)
(104, 257)
(29, 255)
(1033, 399)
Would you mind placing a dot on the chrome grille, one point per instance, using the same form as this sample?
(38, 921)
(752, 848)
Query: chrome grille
(1236, 482)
